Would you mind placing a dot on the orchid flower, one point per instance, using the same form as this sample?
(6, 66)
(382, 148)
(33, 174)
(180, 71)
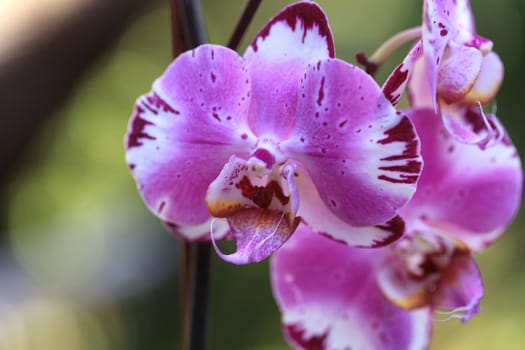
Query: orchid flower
(330, 299)
(337, 297)
(466, 198)
(247, 147)
(451, 68)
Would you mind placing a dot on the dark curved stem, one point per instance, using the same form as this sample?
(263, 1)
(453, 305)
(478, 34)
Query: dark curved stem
(244, 22)
(188, 31)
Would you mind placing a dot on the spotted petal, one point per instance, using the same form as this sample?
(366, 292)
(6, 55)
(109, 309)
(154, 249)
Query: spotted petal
(277, 56)
(183, 132)
(361, 154)
(425, 269)
(330, 300)
(438, 31)
(321, 219)
(261, 211)
(464, 191)
(461, 14)
(396, 82)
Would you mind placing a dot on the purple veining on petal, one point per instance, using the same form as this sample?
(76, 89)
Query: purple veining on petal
(394, 82)
(402, 132)
(297, 335)
(154, 104)
(297, 36)
(396, 226)
(137, 129)
(157, 104)
(258, 233)
(397, 81)
(464, 191)
(343, 142)
(182, 145)
(309, 15)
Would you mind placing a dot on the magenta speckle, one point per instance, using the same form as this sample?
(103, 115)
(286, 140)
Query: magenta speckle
(321, 92)
(213, 77)
(161, 207)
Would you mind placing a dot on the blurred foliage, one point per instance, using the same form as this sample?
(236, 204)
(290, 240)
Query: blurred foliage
(104, 273)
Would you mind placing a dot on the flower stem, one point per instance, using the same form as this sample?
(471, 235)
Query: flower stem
(188, 31)
(384, 51)
(244, 21)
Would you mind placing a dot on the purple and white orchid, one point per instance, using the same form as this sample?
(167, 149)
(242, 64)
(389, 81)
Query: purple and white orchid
(250, 146)
(291, 151)
(451, 69)
(385, 298)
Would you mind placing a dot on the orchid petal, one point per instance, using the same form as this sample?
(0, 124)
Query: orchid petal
(462, 15)
(361, 154)
(200, 233)
(182, 133)
(330, 300)
(261, 215)
(458, 72)
(489, 80)
(464, 191)
(468, 125)
(460, 288)
(418, 88)
(321, 219)
(425, 269)
(438, 31)
(396, 82)
(297, 35)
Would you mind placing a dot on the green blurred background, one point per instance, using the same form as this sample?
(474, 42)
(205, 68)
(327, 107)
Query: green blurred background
(84, 265)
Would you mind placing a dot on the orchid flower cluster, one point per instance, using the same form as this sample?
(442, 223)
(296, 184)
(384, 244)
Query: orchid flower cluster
(301, 156)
